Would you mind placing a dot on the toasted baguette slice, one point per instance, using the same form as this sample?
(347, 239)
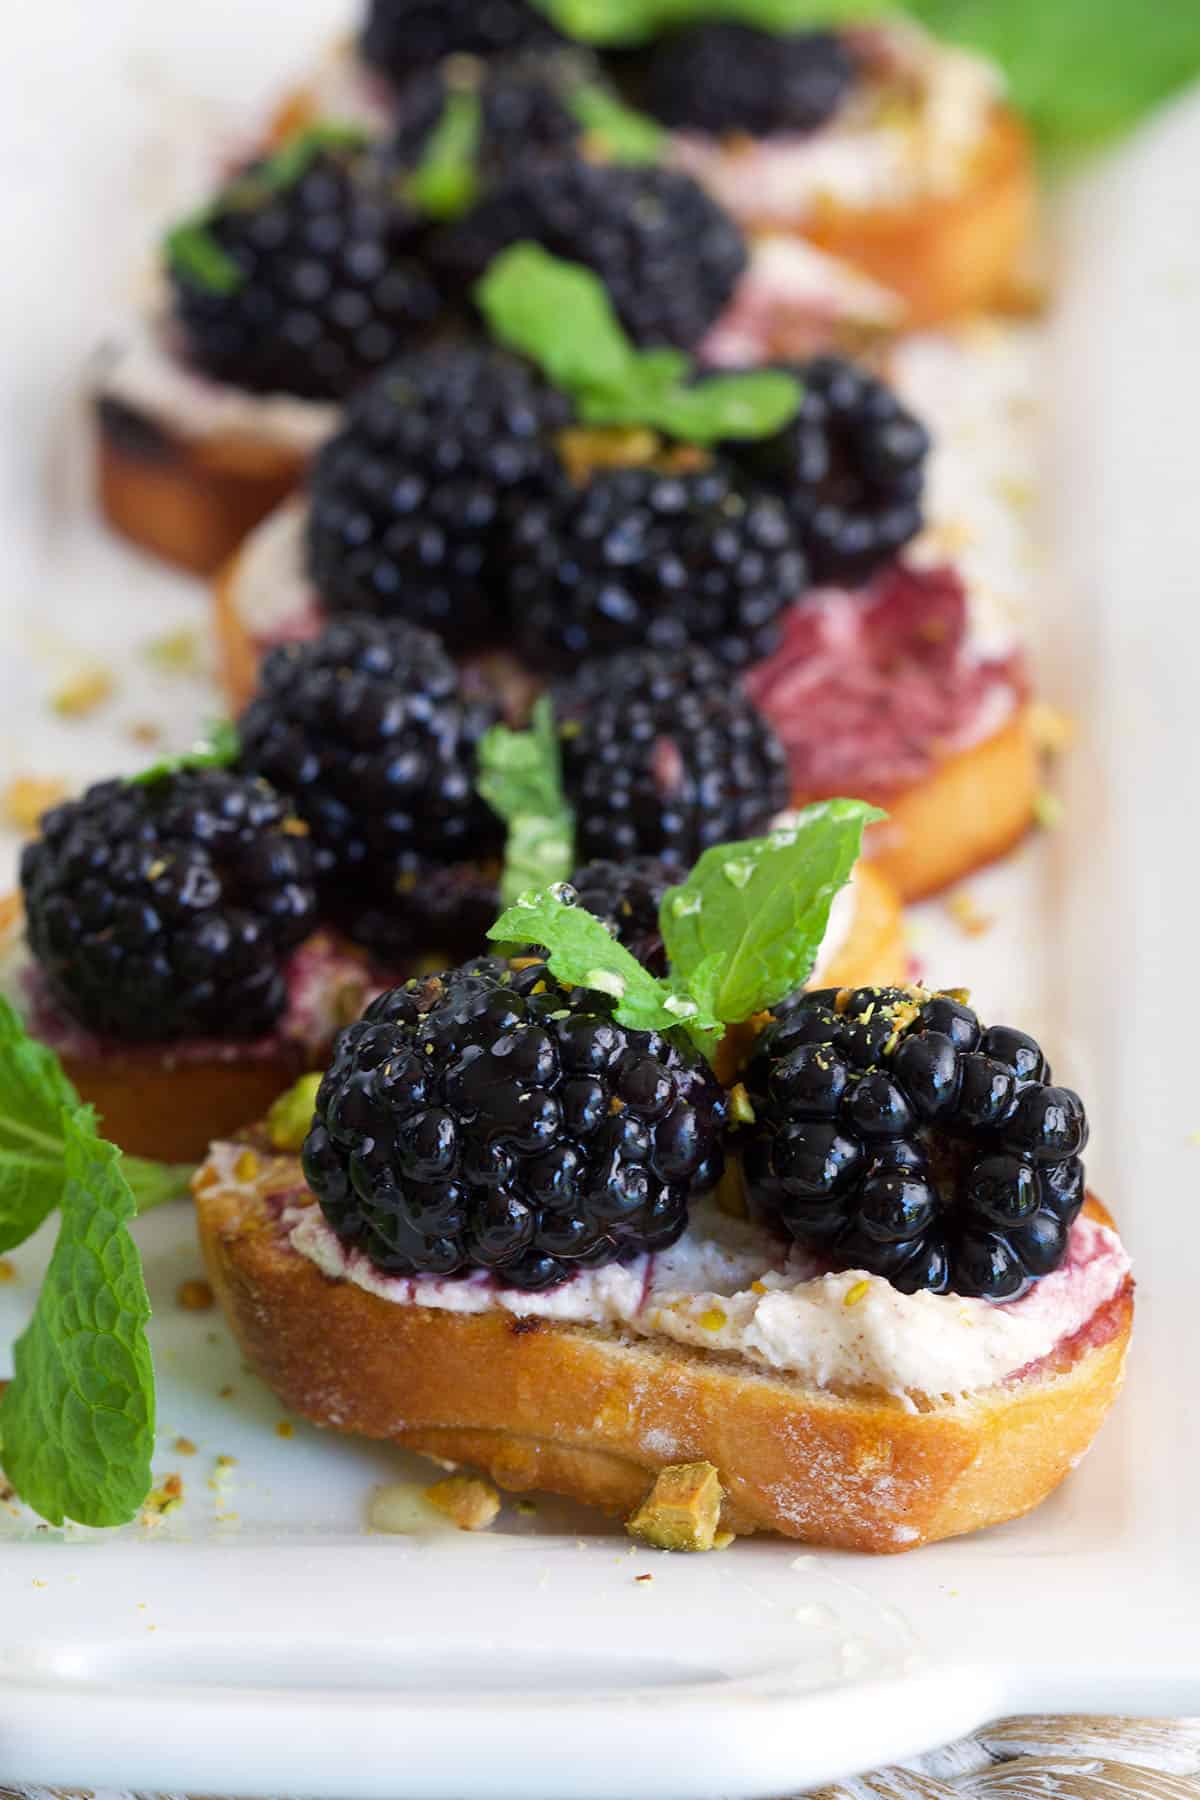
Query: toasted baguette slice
(594, 1413)
(188, 500)
(950, 254)
(972, 808)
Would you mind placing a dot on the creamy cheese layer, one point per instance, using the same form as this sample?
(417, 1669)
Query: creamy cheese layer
(731, 1286)
(142, 373)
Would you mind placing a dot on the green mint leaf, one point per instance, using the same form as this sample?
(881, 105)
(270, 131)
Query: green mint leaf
(445, 184)
(77, 1422)
(34, 1092)
(744, 929)
(624, 134)
(520, 777)
(1123, 59)
(755, 405)
(637, 21)
(194, 253)
(582, 952)
(558, 314)
(218, 749)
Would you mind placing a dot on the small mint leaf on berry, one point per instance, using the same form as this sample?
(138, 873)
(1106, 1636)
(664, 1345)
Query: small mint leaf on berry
(743, 931)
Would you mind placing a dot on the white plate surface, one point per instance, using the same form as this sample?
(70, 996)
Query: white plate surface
(259, 1640)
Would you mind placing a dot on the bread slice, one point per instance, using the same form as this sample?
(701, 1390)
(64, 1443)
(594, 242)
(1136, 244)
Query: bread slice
(973, 807)
(946, 255)
(595, 1413)
(164, 1101)
(188, 500)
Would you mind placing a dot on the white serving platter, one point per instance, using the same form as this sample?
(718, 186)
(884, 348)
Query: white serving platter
(259, 1639)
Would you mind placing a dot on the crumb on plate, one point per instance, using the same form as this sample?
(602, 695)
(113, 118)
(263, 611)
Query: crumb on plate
(466, 1501)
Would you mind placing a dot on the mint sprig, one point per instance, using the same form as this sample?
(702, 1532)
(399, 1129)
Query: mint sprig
(745, 928)
(445, 183)
(77, 1421)
(219, 748)
(637, 21)
(78, 1418)
(520, 777)
(741, 933)
(560, 316)
(582, 952)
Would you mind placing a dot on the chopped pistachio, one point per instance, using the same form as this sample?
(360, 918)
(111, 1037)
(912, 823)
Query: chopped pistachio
(682, 1511)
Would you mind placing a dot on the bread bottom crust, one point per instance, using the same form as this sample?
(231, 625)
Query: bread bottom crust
(190, 502)
(594, 1414)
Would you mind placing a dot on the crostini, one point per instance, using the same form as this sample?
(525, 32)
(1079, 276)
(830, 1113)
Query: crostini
(896, 1318)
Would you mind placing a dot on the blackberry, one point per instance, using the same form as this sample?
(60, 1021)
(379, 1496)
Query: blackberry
(669, 256)
(166, 909)
(408, 497)
(664, 755)
(719, 79)
(627, 896)
(643, 558)
(402, 36)
(524, 108)
(851, 468)
(894, 1134)
(325, 277)
(368, 728)
(488, 1119)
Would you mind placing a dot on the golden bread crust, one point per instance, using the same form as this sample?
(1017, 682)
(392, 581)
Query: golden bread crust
(595, 1415)
(973, 808)
(190, 501)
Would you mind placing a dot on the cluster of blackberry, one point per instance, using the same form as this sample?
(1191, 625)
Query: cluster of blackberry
(897, 1134)
(314, 268)
(444, 500)
(490, 1118)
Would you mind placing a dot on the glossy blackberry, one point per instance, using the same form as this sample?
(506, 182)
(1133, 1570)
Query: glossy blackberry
(719, 79)
(367, 727)
(639, 558)
(524, 110)
(627, 896)
(407, 498)
(402, 36)
(851, 468)
(669, 256)
(164, 910)
(893, 1133)
(664, 755)
(488, 1119)
(325, 279)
